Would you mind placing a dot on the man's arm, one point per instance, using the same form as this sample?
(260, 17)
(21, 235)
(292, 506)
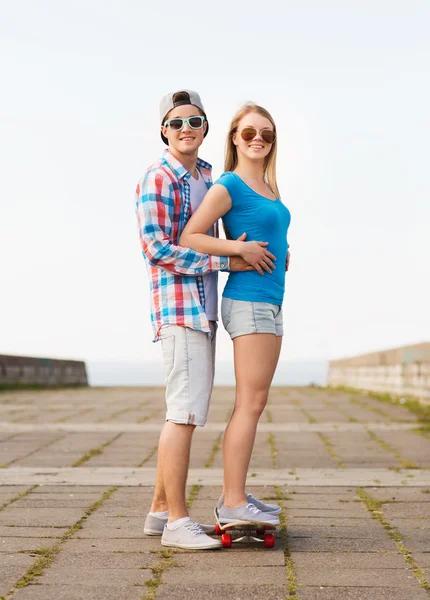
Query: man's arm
(155, 226)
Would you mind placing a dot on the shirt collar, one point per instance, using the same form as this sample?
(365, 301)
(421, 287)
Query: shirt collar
(179, 169)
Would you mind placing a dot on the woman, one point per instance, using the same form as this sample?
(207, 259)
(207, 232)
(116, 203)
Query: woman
(246, 196)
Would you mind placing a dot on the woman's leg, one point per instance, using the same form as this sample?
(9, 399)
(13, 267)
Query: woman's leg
(255, 360)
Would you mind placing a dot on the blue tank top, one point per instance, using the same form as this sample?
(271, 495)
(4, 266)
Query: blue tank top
(263, 220)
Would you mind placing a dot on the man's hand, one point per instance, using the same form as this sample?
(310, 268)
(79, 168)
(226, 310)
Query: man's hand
(256, 254)
(238, 264)
(287, 262)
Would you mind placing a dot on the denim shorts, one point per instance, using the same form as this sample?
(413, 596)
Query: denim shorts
(243, 318)
(189, 363)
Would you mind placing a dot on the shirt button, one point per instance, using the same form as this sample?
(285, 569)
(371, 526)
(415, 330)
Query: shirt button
(199, 278)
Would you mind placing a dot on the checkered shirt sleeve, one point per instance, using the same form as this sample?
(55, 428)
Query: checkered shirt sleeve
(155, 213)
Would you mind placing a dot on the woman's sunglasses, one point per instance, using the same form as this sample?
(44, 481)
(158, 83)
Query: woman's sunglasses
(178, 124)
(249, 133)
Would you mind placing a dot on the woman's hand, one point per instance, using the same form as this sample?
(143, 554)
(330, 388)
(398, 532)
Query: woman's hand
(257, 255)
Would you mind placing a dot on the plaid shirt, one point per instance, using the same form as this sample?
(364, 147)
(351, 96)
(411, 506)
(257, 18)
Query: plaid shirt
(163, 208)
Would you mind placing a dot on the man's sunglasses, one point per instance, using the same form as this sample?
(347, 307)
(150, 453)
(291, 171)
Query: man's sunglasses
(178, 124)
(249, 133)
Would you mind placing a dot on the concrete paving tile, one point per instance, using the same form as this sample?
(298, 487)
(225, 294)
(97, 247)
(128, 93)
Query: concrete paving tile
(361, 593)
(309, 543)
(422, 558)
(411, 526)
(105, 560)
(13, 490)
(321, 499)
(218, 590)
(55, 502)
(355, 530)
(342, 510)
(336, 513)
(145, 543)
(76, 592)
(241, 575)
(256, 556)
(406, 510)
(15, 560)
(417, 545)
(23, 544)
(136, 496)
(351, 560)
(40, 517)
(355, 577)
(115, 533)
(316, 491)
(11, 570)
(403, 494)
(70, 489)
(125, 545)
(126, 511)
(32, 532)
(9, 575)
(94, 577)
(103, 522)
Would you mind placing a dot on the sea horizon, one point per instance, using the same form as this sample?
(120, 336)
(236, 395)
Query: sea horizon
(140, 373)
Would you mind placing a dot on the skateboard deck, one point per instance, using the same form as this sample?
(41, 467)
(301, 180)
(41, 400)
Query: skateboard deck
(248, 531)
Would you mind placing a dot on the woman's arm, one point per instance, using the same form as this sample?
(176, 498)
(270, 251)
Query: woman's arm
(216, 204)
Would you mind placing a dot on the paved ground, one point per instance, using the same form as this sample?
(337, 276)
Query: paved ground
(351, 473)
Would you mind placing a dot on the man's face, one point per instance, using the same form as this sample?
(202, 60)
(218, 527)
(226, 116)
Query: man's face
(188, 140)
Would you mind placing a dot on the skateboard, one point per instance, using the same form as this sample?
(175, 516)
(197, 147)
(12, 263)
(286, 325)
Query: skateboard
(251, 532)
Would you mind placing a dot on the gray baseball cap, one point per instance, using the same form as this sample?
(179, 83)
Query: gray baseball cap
(179, 98)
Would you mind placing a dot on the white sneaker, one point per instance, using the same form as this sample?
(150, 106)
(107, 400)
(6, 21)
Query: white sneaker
(247, 513)
(271, 509)
(189, 536)
(155, 525)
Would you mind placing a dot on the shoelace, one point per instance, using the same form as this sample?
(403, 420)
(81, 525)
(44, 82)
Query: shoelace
(194, 528)
(252, 508)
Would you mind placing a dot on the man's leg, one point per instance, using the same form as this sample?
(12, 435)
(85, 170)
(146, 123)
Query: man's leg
(174, 458)
(189, 360)
(188, 356)
(159, 503)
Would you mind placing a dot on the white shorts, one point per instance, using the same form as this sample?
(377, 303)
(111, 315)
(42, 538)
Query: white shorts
(189, 361)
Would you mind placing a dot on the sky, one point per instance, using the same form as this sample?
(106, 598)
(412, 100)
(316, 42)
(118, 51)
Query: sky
(347, 84)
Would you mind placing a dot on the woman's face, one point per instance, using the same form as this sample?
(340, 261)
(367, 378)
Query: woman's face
(256, 148)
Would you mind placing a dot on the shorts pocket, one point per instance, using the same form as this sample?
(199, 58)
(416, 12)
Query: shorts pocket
(168, 349)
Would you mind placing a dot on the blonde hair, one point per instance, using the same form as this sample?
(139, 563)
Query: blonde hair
(231, 160)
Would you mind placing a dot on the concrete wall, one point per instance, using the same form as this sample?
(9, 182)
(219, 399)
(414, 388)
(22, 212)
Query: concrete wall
(42, 371)
(401, 371)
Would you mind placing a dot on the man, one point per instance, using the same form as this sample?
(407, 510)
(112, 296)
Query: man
(184, 307)
(184, 302)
